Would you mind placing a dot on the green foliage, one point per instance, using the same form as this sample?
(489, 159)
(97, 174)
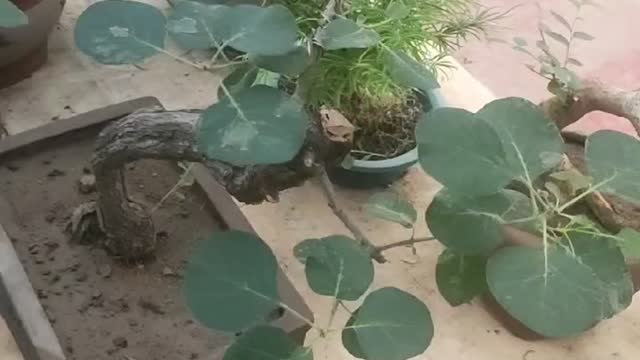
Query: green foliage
(346, 34)
(630, 245)
(117, 32)
(460, 278)
(390, 325)
(391, 207)
(266, 342)
(612, 159)
(11, 16)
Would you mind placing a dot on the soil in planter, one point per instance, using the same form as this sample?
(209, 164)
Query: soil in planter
(99, 308)
(384, 131)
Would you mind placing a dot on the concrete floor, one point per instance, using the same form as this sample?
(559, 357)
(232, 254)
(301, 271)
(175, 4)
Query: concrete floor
(71, 83)
(613, 57)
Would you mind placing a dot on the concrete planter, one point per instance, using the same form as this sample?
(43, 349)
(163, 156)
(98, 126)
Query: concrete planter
(23, 49)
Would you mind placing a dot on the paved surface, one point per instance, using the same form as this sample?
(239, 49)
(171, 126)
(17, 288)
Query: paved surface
(71, 83)
(613, 57)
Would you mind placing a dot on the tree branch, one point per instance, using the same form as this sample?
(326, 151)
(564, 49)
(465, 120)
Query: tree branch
(594, 96)
(330, 192)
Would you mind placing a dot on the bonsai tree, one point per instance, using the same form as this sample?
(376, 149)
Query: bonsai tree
(503, 169)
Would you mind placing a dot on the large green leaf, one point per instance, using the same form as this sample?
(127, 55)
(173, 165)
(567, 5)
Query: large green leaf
(630, 245)
(241, 78)
(607, 262)
(290, 64)
(120, 31)
(390, 325)
(473, 225)
(460, 278)
(338, 266)
(192, 24)
(11, 16)
(231, 281)
(258, 30)
(462, 152)
(560, 300)
(527, 135)
(343, 33)
(268, 343)
(254, 29)
(260, 125)
(408, 72)
(392, 207)
(612, 157)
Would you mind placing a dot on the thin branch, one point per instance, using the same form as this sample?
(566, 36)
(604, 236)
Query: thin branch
(330, 192)
(404, 243)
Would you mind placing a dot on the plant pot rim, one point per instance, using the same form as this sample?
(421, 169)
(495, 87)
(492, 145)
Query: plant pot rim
(437, 100)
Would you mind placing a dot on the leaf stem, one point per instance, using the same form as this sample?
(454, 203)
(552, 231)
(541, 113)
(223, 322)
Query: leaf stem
(586, 193)
(404, 243)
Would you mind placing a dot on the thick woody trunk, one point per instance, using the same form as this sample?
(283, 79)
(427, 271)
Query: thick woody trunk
(170, 135)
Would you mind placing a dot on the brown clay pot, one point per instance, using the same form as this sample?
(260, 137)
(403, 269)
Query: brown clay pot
(515, 327)
(23, 50)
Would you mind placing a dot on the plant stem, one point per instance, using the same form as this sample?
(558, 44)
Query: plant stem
(403, 243)
(586, 193)
(330, 193)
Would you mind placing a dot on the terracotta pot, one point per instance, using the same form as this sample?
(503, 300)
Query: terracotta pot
(23, 49)
(515, 327)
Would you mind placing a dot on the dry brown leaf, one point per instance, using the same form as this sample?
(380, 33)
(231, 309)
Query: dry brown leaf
(336, 126)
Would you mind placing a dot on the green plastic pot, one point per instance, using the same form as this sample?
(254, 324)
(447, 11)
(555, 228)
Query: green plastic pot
(366, 174)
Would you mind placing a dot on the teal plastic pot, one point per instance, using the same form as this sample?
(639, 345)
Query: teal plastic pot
(366, 174)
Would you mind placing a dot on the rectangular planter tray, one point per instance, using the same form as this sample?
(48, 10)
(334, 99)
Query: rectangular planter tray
(19, 303)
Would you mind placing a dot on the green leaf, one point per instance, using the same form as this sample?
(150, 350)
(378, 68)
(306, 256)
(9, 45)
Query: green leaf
(390, 325)
(338, 266)
(561, 20)
(343, 33)
(116, 32)
(261, 125)
(583, 36)
(630, 245)
(473, 225)
(266, 342)
(566, 77)
(520, 42)
(231, 281)
(290, 64)
(268, 78)
(448, 136)
(612, 157)
(397, 10)
(408, 72)
(11, 16)
(557, 301)
(606, 261)
(460, 278)
(192, 24)
(558, 37)
(241, 78)
(529, 138)
(305, 248)
(392, 207)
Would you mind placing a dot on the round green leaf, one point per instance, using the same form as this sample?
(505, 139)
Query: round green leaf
(342, 33)
(390, 325)
(260, 125)
(462, 152)
(305, 248)
(531, 141)
(11, 16)
(612, 158)
(392, 207)
(473, 225)
(266, 342)
(290, 64)
(607, 262)
(258, 30)
(231, 281)
(630, 245)
(191, 24)
(338, 266)
(408, 72)
(557, 301)
(241, 78)
(117, 32)
(460, 278)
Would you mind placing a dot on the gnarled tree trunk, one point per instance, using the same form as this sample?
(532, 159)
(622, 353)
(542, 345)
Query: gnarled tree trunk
(171, 135)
